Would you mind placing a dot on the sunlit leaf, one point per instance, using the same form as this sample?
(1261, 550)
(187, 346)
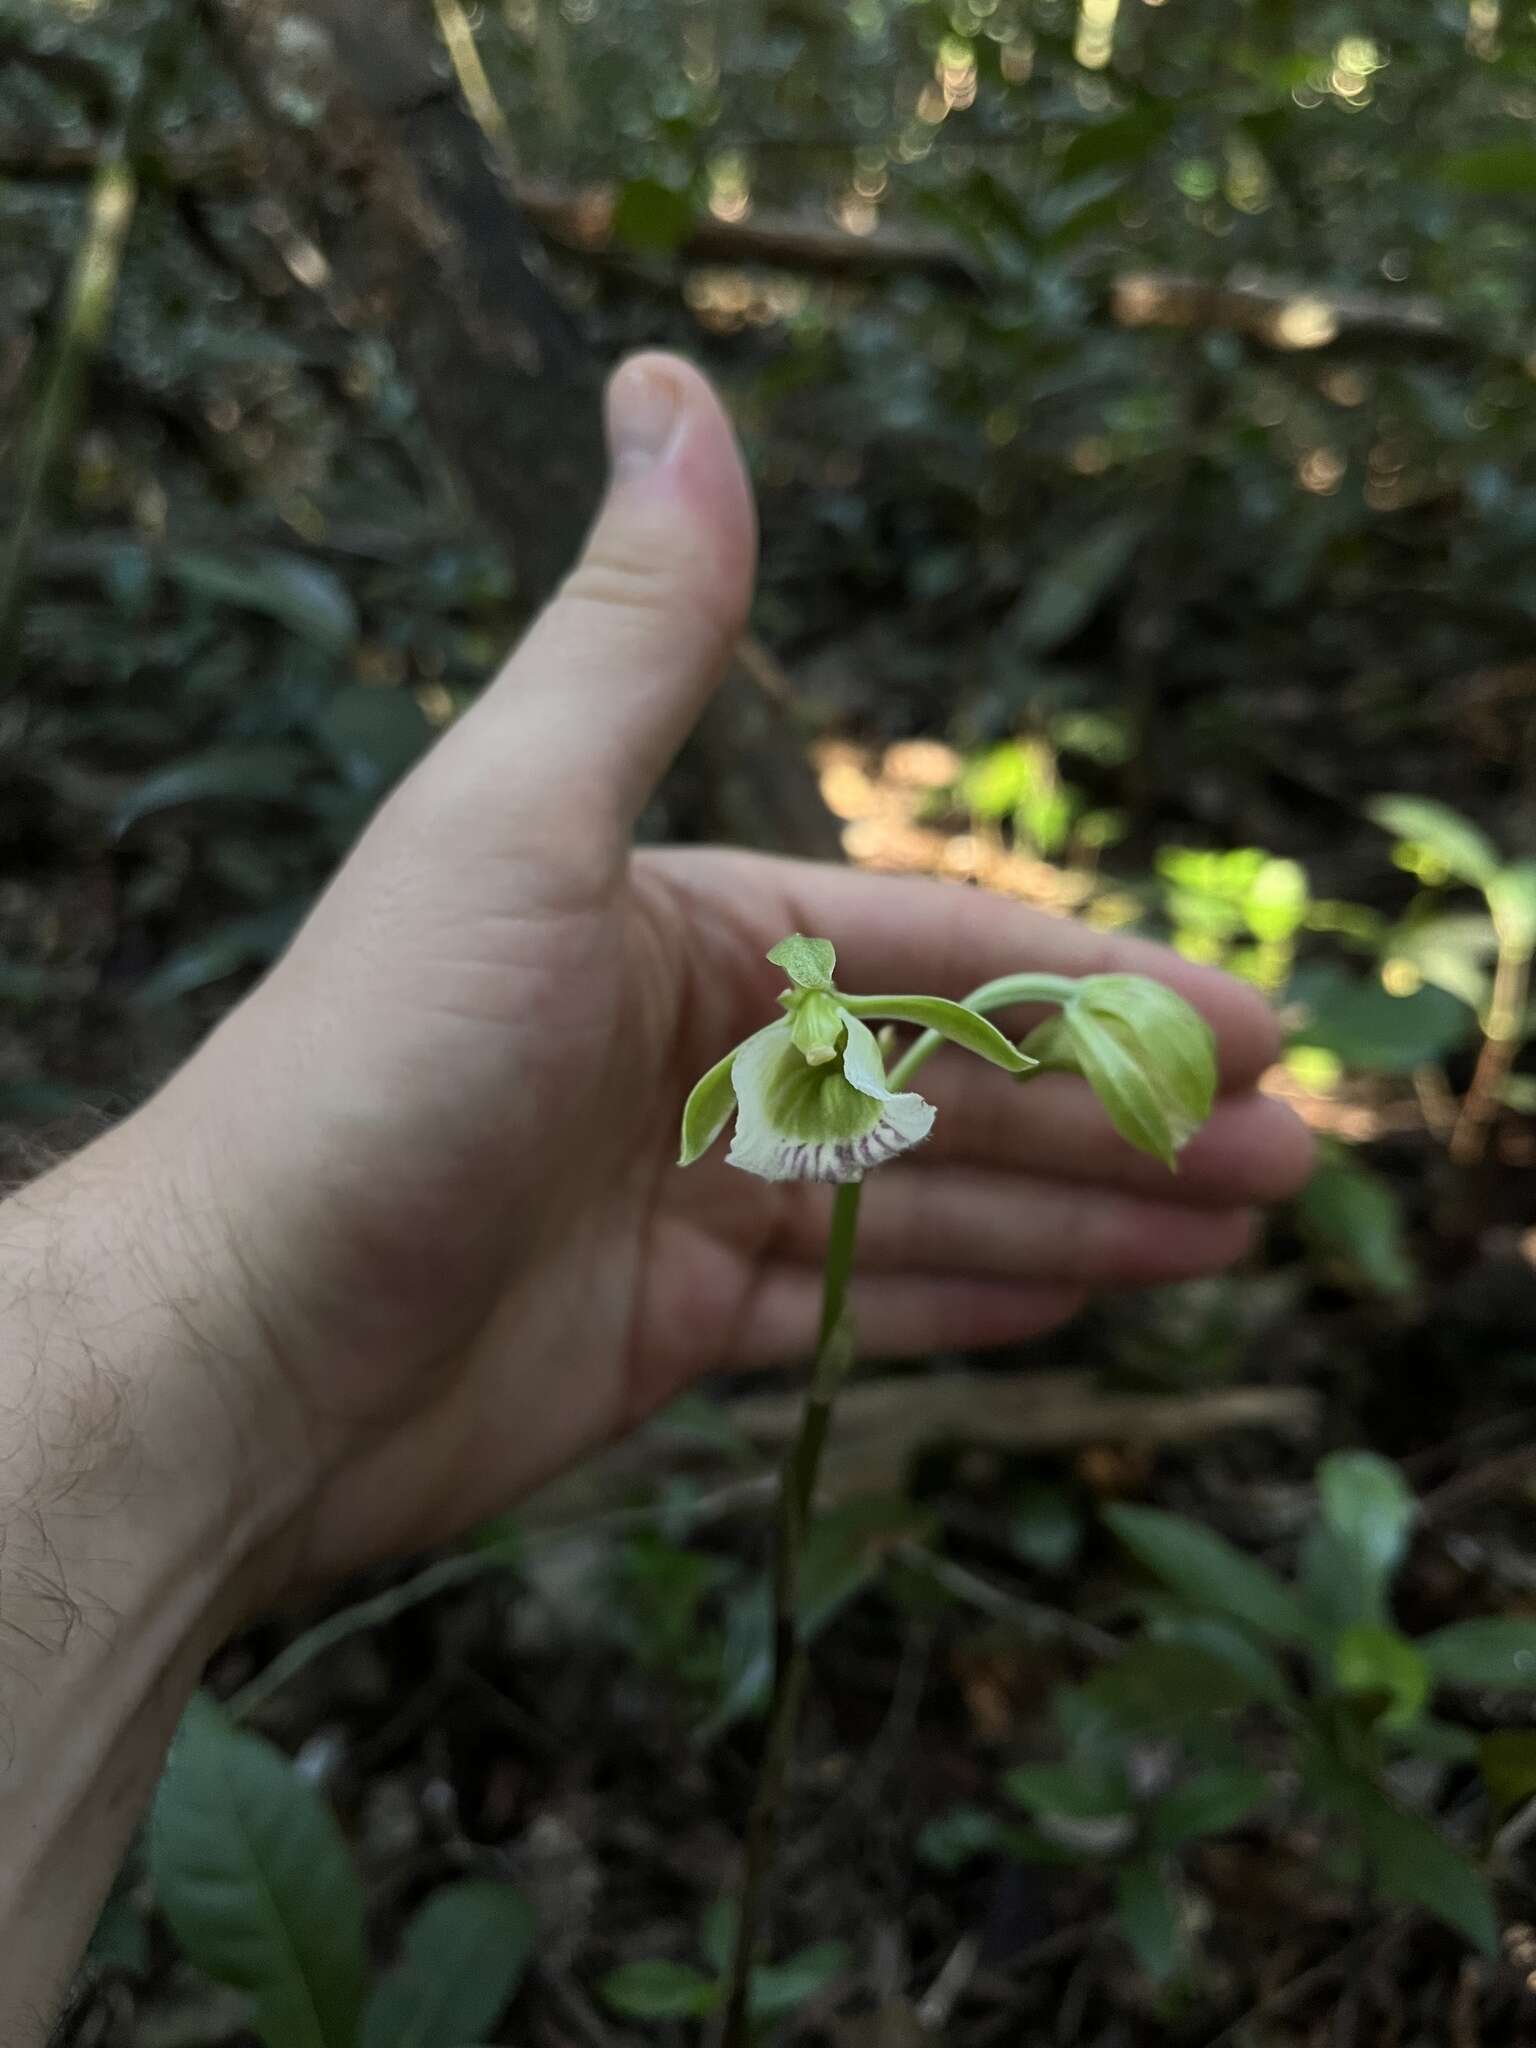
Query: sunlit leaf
(1512, 900)
(1462, 848)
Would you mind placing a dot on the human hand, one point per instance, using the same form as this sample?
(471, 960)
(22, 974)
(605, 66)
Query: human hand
(444, 1248)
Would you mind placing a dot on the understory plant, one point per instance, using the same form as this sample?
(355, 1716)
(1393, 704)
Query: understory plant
(1439, 846)
(812, 1101)
(1244, 1690)
(253, 1873)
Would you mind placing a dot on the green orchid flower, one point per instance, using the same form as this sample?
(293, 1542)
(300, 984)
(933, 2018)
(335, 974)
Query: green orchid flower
(809, 1091)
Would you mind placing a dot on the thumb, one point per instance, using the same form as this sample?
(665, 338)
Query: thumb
(603, 690)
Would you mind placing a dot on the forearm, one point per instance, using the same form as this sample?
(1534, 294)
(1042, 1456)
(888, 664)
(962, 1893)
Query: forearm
(128, 1542)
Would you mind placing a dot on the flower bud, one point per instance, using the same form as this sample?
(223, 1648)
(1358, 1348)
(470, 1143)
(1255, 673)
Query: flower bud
(1148, 1056)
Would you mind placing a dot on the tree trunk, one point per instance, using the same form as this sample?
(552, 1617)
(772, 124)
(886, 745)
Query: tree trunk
(429, 248)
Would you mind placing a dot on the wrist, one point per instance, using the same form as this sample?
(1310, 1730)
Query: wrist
(133, 1393)
(135, 1530)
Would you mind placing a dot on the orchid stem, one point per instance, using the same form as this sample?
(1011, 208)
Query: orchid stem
(992, 995)
(797, 1493)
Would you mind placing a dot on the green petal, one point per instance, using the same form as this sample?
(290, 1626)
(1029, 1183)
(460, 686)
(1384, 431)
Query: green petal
(962, 1026)
(827, 1123)
(708, 1109)
(809, 963)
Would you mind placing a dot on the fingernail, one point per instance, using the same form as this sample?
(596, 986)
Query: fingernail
(644, 404)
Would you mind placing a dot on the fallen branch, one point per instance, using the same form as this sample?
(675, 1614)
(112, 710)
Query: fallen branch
(1288, 316)
(882, 1424)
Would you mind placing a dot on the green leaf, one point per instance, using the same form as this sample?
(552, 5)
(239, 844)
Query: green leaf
(659, 1990)
(1124, 139)
(1352, 1217)
(1207, 1804)
(1380, 1664)
(845, 1550)
(651, 218)
(223, 950)
(1452, 953)
(309, 600)
(1512, 900)
(1067, 593)
(462, 1958)
(707, 1110)
(1506, 1761)
(1208, 1571)
(1495, 170)
(953, 1021)
(1442, 1741)
(271, 774)
(1167, 1689)
(1215, 1638)
(1459, 846)
(1412, 1862)
(120, 1938)
(1146, 1053)
(251, 1871)
(809, 963)
(717, 1933)
(1146, 1908)
(1495, 1652)
(778, 1988)
(1367, 1505)
(1363, 1025)
(373, 735)
(1076, 1791)
(953, 1839)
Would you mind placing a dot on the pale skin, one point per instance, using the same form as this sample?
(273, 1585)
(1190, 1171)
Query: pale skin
(406, 1236)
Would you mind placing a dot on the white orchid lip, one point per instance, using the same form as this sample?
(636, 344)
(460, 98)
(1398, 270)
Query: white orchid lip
(828, 1121)
(809, 1092)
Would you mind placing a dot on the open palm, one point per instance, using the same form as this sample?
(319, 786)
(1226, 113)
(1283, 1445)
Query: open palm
(454, 1104)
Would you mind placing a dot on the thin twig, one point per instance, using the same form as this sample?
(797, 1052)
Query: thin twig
(87, 309)
(1503, 1034)
(460, 1569)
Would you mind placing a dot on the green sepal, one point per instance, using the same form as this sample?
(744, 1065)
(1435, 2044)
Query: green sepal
(953, 1021)
(809, 963)
(708, 1109)
(1146, 1053)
